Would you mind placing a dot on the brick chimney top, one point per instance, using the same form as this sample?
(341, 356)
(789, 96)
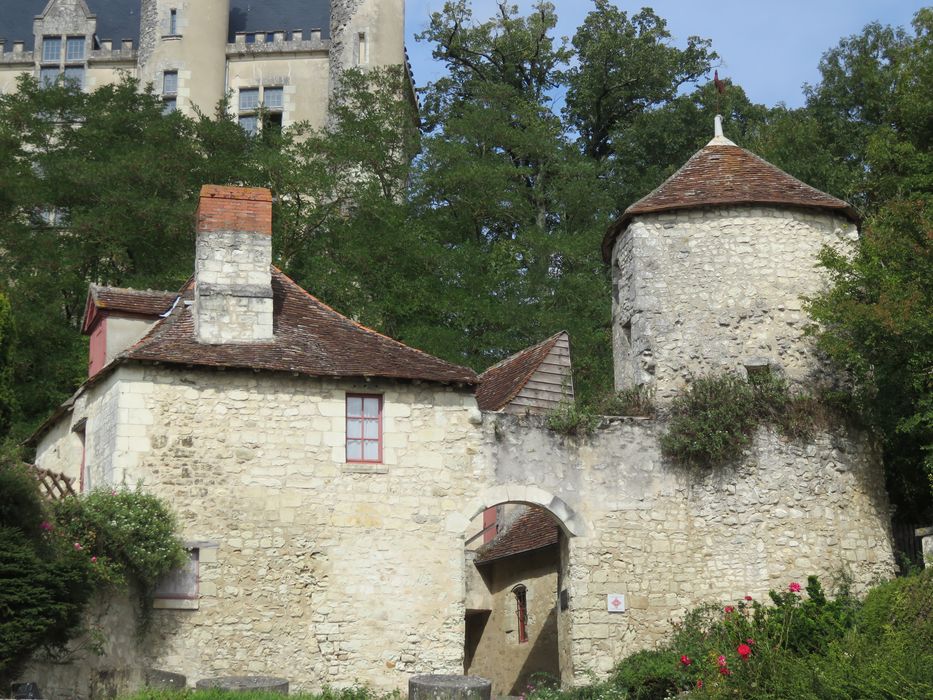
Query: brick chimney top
(226, 208)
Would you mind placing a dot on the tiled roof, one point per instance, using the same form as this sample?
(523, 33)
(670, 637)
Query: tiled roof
(501, 383)
(722, 174)
(310, 338)
(149, 302)
(534, 529)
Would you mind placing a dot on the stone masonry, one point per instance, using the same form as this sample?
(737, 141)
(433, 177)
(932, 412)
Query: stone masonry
(711, 290)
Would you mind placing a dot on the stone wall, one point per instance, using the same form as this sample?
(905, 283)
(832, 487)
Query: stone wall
(702, 291)
(669, 539)
(328, 573)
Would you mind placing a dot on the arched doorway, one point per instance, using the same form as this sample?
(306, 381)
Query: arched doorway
(517, 623)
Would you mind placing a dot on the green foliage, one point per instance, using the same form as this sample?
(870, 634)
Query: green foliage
(637, 401)
(53, 560)
(712, 422)
(800, 646)
(45, 586)
(7, 392)
(625, 66)
(130, 535)
(572, 418)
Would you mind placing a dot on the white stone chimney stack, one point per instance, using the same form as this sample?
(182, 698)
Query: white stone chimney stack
(233, 275)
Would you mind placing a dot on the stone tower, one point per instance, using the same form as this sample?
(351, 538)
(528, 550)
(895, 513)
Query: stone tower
(709, 271)
(184, 42)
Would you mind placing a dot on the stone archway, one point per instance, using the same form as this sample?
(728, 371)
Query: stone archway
(568, 518)
(508, 638)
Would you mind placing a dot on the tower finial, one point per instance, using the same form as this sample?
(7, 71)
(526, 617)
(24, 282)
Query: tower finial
(717, 126)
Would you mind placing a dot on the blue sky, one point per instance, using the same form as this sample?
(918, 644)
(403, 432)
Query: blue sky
(769, 47)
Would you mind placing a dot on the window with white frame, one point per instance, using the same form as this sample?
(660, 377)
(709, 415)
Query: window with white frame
(51, 49)
(63, 57)
(260, 108)
(169, 91)
(364, 428)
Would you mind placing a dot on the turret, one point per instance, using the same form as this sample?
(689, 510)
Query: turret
(182, 51)
(709, 271)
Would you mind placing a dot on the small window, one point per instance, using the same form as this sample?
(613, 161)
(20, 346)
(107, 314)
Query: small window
(75, 74)
(179, 588)
(249, 124)
(74, 49)
(364, 428)
(173, 21)
(362, 50)
(249, 99)
(170, 82)
(169, 105)
(52, 49)
(270, 37)
(48, 76)
(272, 98)
(251, 38)
(521, 612)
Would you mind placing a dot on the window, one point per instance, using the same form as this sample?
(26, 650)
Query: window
(75, 74)
(170, 82)
(48, 76)
(362, 52)
(364, 428)
(169, 105)
(249, 99)
(272, 98)
(74, 49)
(52, 49)
(249, 124)
(521, 612)
(173, 21)
(270, 37)
(179, 588)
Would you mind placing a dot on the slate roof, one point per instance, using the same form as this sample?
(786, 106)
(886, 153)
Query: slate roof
(119, 19)
(723, 174)
(533, 529)
(310, 338)
(501, 383)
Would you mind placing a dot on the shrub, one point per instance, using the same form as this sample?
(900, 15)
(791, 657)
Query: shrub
(649, 675)
(637, 401)
(711, 422)
(129, 534)
(570, 418)
(44, 586)
(352, 693)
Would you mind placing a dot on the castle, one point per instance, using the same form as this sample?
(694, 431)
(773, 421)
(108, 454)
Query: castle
(278, 62)
(326, 476)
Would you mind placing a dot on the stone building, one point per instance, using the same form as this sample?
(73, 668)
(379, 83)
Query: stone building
(276, 60)
(327, 478)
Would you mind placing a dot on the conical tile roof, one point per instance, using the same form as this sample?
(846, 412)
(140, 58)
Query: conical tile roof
(723, 174)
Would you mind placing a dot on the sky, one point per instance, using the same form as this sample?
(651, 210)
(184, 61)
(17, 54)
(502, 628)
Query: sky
(769, 47)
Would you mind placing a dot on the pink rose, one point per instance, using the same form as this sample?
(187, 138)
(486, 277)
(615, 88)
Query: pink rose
(794, 587)
(744, 651)
(93, 560)
(685, 660)
(729, 609)
(78, 547)
(748, 598)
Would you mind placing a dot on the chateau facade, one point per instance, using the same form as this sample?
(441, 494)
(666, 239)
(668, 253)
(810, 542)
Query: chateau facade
(328, 480)
(277, 62)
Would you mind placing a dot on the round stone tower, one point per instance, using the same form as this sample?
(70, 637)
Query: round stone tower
(710, 269)
(182, 51)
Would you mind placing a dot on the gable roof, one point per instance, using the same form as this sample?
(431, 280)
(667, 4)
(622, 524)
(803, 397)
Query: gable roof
(139, 302)
(723, 174)
(310, 338)
(502, 382)
(533, 529)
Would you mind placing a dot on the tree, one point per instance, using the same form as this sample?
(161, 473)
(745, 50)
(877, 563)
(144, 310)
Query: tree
(97, 187)
(877, 319)
(626, 66)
